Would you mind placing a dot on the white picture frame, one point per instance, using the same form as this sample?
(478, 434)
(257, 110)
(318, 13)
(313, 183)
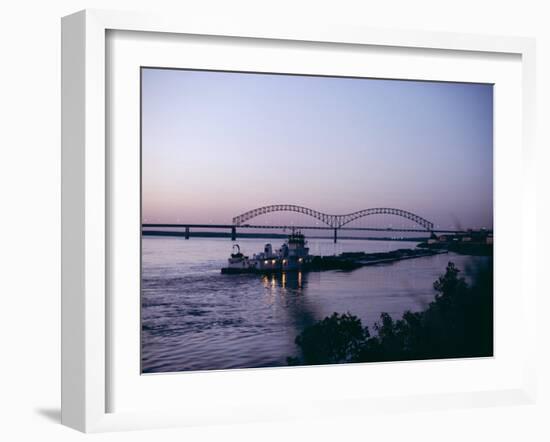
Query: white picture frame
(86, 205)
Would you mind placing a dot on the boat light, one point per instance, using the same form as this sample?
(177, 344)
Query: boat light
(266, 262)
(272, 261)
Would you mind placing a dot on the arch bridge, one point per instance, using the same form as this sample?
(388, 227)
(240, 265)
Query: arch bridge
(334, 221)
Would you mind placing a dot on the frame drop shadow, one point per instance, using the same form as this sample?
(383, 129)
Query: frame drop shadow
(51, 414)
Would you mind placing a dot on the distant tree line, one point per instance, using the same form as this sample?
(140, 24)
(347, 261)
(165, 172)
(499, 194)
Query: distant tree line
(457, 324)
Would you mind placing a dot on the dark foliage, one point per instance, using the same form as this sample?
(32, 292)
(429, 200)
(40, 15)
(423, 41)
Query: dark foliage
(458, 323)
(337, 338)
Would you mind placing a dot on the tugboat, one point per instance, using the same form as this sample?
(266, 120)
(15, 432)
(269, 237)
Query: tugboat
(292, 256)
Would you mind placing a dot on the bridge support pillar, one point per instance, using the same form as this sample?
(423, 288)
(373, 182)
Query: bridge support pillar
(335, 235)
(233, 233)
(187, 233)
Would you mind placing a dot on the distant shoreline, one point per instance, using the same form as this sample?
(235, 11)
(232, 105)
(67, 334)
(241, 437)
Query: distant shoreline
(199, 234)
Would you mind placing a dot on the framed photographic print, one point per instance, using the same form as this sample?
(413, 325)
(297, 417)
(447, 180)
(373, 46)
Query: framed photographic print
(250, 214)
(222, 289)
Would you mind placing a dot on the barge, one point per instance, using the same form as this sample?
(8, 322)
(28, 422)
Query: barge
(293, 256)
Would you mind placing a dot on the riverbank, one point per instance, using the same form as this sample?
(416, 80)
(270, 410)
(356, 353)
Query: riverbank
(463, 248)
(458, 323)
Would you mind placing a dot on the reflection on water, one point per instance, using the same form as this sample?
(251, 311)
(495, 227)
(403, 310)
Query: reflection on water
(195, 318)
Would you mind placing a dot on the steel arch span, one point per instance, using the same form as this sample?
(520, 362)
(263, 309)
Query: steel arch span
(334, 221)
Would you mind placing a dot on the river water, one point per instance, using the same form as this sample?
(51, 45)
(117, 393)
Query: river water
(195, 318)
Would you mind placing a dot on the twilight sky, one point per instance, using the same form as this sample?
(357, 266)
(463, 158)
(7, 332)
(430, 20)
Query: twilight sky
(216, 144)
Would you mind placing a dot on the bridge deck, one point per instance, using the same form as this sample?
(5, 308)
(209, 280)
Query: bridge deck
(289, 227)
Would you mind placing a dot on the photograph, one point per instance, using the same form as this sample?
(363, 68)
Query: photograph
(298, 220)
